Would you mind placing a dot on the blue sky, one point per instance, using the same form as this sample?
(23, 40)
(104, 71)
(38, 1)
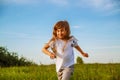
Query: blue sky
(26, 25)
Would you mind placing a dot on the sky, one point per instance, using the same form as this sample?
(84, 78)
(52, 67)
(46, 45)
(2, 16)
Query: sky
(26, 25)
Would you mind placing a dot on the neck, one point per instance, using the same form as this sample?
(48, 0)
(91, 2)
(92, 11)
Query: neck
(64, 39)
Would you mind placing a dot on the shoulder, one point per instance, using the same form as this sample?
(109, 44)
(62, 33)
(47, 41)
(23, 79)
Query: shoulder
(74, 41)
(73, 38)
(50, 42)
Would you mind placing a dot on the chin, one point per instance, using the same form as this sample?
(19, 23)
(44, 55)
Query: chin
(61, 37)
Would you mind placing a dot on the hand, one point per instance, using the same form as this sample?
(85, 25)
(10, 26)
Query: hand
(52, 56)
(85, 54)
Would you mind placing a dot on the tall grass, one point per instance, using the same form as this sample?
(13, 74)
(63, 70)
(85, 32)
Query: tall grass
(97, 72)
(47, 72)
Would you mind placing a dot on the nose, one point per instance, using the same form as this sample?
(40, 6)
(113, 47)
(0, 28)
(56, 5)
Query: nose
(60, 32)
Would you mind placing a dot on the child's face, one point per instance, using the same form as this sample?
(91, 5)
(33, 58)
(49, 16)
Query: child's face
(61, 33)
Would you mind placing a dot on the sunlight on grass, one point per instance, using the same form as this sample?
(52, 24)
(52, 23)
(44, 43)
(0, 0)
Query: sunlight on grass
(47, 72)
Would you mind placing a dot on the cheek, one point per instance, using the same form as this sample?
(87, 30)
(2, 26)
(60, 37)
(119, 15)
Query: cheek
(57, 33)
(64, 33)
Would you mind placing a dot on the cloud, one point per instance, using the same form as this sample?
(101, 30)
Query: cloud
(76, 27)
(59, 2)
(112, 12)
(108, 6)
(19, 35)
(109, 47)
(21, 1)
(55, 2)
(98, 4)
(95, 4)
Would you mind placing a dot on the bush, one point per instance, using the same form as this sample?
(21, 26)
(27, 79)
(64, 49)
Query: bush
(79, 60)
(8, 59)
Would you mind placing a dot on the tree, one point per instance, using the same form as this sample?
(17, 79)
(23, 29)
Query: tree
(79, 60)
(8, 59)
(3, 54)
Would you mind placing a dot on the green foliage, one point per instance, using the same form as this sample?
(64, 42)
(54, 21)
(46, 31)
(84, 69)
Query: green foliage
(8, 59)
(47, 72)
(79, 60)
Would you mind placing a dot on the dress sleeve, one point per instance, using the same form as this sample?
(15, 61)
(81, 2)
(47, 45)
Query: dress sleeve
(51, 44)
(74, 42)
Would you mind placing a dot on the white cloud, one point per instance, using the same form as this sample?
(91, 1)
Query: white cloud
(19, 35)
(56, 2)
(108, 6)
(95, 4)
(108, 47)
(98, 4)
(112, 12)
(21, 1)
(59, 2)
(76, 27)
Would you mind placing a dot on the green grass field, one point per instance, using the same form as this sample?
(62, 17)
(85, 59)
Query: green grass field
(47, 72)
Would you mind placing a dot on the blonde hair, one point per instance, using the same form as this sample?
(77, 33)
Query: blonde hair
(59, 25)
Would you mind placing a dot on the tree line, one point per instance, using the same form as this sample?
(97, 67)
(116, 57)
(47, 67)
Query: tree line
(8, 59)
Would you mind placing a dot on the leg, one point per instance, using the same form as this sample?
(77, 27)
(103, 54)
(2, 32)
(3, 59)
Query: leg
(67, 72)
(59, 74)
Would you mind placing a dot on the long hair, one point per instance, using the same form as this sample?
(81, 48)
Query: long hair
(59, 25)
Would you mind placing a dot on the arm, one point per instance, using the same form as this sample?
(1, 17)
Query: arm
(80, 50)
(46, 51)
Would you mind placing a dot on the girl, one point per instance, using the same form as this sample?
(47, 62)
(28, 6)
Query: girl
(61, 46)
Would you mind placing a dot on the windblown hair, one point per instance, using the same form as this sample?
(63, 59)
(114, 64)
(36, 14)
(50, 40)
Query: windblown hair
(59, 25)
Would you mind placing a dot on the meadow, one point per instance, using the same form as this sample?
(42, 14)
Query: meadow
(47, 72)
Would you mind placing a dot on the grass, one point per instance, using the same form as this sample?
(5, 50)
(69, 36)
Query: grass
(47, 72)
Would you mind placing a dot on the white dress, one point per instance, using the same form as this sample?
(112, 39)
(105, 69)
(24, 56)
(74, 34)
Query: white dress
(64, 52)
